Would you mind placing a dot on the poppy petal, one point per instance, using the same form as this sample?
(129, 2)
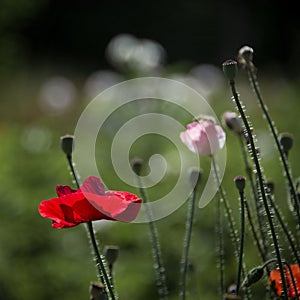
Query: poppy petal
(93, 185)
(62, 190)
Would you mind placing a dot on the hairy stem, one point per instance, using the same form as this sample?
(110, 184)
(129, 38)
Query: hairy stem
(260, 217)
(284, 161)
(261, 183)
(187, 242)
(158, 262)
(241, 249)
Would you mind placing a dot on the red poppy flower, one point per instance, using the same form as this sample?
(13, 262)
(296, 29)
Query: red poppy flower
(89, 203)
(275, 279)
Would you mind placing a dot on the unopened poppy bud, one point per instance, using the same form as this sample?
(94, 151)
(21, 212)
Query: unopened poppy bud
(270, 186)
(286, 140)
(245, 55)
(111, 253)
(195, 176)
(232, 289)
(253, 276)
(97, 291)
(233, 122)
(240, 183)
(230, 69)
(67, 144)
(231, 293)
(137, 164)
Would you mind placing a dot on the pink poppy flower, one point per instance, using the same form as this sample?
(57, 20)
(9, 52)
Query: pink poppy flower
(203, 137)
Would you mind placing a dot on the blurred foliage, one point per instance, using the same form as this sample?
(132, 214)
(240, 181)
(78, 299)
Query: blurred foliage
(40, 262)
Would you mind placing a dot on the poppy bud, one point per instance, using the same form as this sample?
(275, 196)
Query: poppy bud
(97, 291)
(232, 289)
(67, 144)
(286, 140)
(111, 253)
(270, 186)
(230, 69)
(136, 164)
(245, 55)
(240, 183)
(231, 293)
(253, 276)
(195, 176)
(233, 122)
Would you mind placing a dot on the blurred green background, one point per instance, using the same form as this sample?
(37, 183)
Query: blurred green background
(55, 56)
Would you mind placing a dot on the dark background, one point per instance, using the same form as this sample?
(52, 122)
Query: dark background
(76, 33)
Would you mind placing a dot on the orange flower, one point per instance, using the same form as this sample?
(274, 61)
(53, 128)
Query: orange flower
(275, 280)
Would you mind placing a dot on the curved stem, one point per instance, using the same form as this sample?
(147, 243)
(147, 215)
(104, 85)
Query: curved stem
(187, 242)
(283, 157)
(261, 183)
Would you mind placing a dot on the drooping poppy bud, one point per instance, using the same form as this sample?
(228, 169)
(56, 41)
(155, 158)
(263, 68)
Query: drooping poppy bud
(233, 122)
(245, 55)
(253, 276)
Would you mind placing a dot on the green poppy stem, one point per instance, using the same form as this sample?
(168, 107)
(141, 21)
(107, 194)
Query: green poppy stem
(283, 158)
(220, 247)
(187, 242)
(98, 258)
(253, 231)
(228, 210)
(242, 235)
(260, 217)
(159, 267)
(261, 182)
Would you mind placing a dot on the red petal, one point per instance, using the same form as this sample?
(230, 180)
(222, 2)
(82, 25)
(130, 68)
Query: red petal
(59, 210)
(275, 279)
(89, 203)
(296, 273)
(121, 206)
(85, 211)
(93, 185)
(51, 209)
(62, 190)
